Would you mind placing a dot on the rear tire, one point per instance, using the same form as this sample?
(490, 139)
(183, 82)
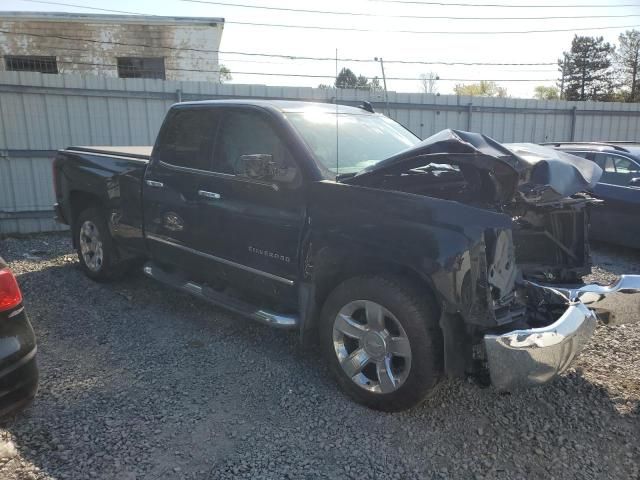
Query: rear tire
(381, 338)
(96, 251)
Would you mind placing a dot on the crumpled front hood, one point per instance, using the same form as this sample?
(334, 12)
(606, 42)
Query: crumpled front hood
(552, 174)
(534, 173)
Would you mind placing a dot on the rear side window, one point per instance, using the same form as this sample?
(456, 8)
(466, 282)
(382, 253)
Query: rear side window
(187, 137)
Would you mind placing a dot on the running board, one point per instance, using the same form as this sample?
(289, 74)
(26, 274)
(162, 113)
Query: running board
(220, 299)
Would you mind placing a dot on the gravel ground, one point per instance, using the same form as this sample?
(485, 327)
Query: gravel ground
(141, 382)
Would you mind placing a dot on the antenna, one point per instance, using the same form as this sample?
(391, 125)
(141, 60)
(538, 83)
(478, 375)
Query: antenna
(337, 122)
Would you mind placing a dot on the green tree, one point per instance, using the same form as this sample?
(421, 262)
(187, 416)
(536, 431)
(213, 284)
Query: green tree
(628, 62)
(482, 89)
(362, 83)
(224, 74)
(346, 79)
(586, 68)
(542, 92)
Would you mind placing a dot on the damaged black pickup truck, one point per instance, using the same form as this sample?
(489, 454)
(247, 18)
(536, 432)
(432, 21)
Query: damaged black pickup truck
(406, 260)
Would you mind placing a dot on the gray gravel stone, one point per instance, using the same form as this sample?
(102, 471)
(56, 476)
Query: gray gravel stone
(142, 382)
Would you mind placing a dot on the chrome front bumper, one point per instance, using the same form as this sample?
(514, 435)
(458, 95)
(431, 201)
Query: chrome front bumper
(534, 356)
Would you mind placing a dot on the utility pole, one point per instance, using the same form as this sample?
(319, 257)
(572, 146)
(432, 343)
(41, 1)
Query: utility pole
(337, 121)
(564, 63)
(384, 82)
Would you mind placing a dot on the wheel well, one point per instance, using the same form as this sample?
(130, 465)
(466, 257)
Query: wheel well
(80, 201)
(336, 271)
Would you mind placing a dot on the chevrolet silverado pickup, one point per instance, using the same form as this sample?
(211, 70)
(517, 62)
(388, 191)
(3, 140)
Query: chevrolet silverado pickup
(405, 260)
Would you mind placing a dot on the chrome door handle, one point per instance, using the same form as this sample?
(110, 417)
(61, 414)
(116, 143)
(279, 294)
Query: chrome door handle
(212, 195)
(153, 183)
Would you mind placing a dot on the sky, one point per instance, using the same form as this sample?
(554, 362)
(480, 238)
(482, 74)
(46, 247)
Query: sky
(461, 41)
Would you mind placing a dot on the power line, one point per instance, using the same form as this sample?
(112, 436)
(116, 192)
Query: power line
(263, 62)
(270, 55)
(367, 14)
(422, 32)
(501, 5)
(416, 62)
(353, 29)
(305, 75)
(65, 48)
(237, 60)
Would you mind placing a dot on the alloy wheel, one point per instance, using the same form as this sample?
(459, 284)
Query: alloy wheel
(372, 347)
(91, 246)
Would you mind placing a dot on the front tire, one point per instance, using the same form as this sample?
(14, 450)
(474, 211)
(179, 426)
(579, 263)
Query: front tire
(96, 251)
(381, 338)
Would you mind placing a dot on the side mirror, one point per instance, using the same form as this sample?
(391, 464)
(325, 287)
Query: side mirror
(259, 166)
(634, 182)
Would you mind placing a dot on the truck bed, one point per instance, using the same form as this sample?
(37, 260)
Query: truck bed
(139, 152)
(107, 176)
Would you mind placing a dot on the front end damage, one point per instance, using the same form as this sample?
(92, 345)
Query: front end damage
(541, 324)
(560, 321)
(525, 315)
(532, 356)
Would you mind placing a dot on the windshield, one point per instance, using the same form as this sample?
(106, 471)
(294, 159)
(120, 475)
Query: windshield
(362, 140)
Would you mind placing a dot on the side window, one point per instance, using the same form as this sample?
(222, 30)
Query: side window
(624, 165)
(246, 143)
(618, 170)
(187, 138)
(579, 154)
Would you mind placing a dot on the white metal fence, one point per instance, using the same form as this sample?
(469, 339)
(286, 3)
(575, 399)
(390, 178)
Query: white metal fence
(41, 113)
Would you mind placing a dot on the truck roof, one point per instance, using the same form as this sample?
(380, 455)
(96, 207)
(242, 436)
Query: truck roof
(285, 106)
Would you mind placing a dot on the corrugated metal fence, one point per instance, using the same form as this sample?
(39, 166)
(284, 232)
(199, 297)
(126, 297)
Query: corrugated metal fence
(42, 113)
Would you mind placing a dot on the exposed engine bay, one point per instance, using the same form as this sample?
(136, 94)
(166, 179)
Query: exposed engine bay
(541, 191)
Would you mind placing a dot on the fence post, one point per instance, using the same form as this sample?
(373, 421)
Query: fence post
(179, 95)
(573, 123)
(469, 115)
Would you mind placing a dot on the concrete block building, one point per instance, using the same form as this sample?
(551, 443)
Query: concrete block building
(124, 46)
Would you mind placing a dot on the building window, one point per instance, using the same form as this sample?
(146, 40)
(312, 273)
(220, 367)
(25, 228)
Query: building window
(139, 67)
(31, 63)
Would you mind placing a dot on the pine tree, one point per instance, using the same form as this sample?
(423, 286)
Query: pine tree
(362, 83)
(628, 61)
(346, 79)
(587, 69)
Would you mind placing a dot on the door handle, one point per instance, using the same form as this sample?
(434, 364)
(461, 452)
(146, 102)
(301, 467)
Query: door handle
(153, 183)
(212, 195)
